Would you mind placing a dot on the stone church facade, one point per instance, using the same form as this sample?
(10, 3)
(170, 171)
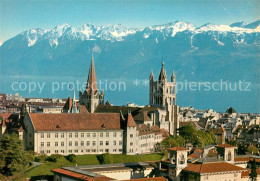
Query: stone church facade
(162, 94)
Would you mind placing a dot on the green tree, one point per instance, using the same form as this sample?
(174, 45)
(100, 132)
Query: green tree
(241, 150)
(253, 173)
(172, 141)
(13, 158)
(188, 132)
(199, 138)
(105, 158)
(233, 142)
(252, 149)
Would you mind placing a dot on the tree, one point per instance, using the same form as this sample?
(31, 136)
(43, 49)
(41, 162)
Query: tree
(199, 138)
(253, 173)
(13, 158)
(72, 158)
(252, 149)
(172, 141)
(188, 132)
(241, 150)
(105, 158)
(233, 142)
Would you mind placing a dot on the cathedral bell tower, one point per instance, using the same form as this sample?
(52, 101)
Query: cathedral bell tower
(91, 97)
(163, 95)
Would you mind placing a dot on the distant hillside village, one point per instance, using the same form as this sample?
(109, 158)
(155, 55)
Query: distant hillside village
(91, 126)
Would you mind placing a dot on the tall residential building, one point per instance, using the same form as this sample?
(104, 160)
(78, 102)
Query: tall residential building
(163, 95)
(91, 97)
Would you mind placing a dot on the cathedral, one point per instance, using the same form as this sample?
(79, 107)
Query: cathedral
(91, 97)
(161, 111)
(163, 96)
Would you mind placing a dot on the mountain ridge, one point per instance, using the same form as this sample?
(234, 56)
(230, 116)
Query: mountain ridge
(207, 53)
(119, 33)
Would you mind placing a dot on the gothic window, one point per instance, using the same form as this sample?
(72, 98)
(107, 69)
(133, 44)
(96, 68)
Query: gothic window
(170, 100)
(173, 101)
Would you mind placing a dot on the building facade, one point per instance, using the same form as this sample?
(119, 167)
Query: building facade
(162, 94)
(88, 133)
(73, 133)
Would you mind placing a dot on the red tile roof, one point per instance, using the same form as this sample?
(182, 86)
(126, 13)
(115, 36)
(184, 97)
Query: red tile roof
(5, 115)
(79, 175)
(178, 148)
(196, 154)
(130, 121)
(212, 167)
(77, 121)
(225, 146)
(241, 159)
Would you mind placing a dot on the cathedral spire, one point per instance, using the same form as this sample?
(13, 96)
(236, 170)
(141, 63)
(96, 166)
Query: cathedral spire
(162, 76)
(151, 76)
(173, 77)
(74, 96)
(92, 80)
(74, 108)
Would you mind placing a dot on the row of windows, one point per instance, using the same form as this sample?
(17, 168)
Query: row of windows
(149, 136)
(82, 143)
(82, 151)
(82, 135)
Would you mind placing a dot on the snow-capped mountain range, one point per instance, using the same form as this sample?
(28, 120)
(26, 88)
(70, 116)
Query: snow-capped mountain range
(120, 33)
(206, 53)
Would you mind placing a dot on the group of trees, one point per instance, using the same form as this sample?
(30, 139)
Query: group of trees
(198, 138)
(189, 134)
(13, 157)
(243, 148)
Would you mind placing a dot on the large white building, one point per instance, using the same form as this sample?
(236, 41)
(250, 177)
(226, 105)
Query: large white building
(88, 133)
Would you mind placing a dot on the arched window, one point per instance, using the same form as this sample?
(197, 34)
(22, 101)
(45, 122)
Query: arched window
(173, 101)
(181, 159)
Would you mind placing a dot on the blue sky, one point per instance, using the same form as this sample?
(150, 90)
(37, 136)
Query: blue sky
(20, 15)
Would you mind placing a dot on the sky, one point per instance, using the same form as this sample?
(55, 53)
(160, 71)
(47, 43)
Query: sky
(17, 16)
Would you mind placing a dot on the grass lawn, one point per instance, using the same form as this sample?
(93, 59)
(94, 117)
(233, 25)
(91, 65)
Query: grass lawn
(45, 168)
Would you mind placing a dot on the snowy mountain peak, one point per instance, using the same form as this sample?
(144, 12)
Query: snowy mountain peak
(61, 33)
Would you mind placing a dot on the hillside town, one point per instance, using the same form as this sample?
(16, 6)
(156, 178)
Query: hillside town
(91, 126)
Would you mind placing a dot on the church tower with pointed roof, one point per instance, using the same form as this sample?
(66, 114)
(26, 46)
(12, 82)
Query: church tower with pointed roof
(163, 95)
(91, 97)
